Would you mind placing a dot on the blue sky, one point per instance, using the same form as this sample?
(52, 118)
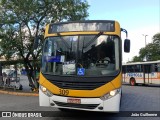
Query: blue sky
(137, 16)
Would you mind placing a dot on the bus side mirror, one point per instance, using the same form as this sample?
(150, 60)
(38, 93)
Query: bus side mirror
(126, 45)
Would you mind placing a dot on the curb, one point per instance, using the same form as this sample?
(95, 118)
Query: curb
(18, 93)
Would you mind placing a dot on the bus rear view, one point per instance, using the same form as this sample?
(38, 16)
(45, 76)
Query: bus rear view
(81, 66)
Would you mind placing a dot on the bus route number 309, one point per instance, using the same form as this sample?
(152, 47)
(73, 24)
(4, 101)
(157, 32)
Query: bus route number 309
(63, 92)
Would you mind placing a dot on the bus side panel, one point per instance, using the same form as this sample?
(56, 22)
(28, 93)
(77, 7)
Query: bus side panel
(151, 78)
(139, 77)
(155, 78)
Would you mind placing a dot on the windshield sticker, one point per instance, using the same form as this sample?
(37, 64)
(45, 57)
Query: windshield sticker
(69, 69)
(62, 58)
(81, 71)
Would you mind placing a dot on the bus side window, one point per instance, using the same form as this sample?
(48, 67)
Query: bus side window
(154, 68)
(138, 68)
(124, 69)
(158, 67)
(130, 68)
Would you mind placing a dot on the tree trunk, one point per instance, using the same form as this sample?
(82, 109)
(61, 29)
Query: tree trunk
(31, 74)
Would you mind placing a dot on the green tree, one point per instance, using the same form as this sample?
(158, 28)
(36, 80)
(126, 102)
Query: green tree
(9, 50)
(151, 51)
(136, 59)
(156, 39)
(23, 20)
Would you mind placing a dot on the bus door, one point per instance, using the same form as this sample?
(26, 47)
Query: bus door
(147, 74)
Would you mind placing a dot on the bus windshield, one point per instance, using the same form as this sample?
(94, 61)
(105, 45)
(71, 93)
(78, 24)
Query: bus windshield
(81, 55)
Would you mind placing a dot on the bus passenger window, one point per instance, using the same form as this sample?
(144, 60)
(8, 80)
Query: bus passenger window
(124, 69)
(158, 67)
(154, 68)
(130, 68)
(138, 68)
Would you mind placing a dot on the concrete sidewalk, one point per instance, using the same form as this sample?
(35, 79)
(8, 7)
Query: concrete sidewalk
(26, 91)
(25, 83)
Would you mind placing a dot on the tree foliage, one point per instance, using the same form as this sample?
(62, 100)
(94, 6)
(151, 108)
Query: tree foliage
(151, 52)
(23, 20)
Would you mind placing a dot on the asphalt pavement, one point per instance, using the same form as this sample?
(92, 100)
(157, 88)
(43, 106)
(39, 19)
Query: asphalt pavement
(135, 100)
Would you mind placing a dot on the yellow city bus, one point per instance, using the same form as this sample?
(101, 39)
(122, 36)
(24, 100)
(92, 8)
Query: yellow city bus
(81, 66)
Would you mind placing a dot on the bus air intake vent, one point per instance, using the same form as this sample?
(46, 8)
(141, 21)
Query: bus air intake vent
(77, 85)
(73, 105)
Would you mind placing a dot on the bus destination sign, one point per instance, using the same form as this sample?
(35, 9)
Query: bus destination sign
(102, 26)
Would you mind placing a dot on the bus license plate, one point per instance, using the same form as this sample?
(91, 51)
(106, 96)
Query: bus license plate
(72, 100)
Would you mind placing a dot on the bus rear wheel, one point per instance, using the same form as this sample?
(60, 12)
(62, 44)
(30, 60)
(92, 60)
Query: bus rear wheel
(132, 82)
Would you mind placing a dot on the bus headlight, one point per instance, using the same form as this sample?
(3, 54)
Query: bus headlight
(45, 91)
(110, 94)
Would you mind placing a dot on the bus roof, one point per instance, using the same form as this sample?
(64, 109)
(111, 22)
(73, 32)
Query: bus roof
(137, 63)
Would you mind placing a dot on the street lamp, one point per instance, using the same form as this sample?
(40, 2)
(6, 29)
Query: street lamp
(145, 38)
(145, 45)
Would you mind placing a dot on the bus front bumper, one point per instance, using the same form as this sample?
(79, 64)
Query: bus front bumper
(89, 104)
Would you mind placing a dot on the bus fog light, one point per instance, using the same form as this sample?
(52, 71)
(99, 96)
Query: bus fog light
(100, 108)
(45, 91)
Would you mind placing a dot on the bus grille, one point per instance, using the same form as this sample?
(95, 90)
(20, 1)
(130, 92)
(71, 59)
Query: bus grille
(77, 85)
(83, 106)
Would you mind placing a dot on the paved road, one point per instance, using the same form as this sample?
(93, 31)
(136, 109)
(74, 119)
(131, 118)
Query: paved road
(138, 98)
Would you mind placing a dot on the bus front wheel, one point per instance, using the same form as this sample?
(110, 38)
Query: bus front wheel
(132, 82)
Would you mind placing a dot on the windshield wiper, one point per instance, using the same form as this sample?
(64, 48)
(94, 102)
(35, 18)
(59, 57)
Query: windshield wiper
(93, 39)
(63, 40)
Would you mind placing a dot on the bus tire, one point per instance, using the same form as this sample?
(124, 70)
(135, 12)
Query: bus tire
(132, 81)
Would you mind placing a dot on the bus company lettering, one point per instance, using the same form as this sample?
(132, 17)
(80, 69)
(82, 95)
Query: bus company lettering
(134, 74)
